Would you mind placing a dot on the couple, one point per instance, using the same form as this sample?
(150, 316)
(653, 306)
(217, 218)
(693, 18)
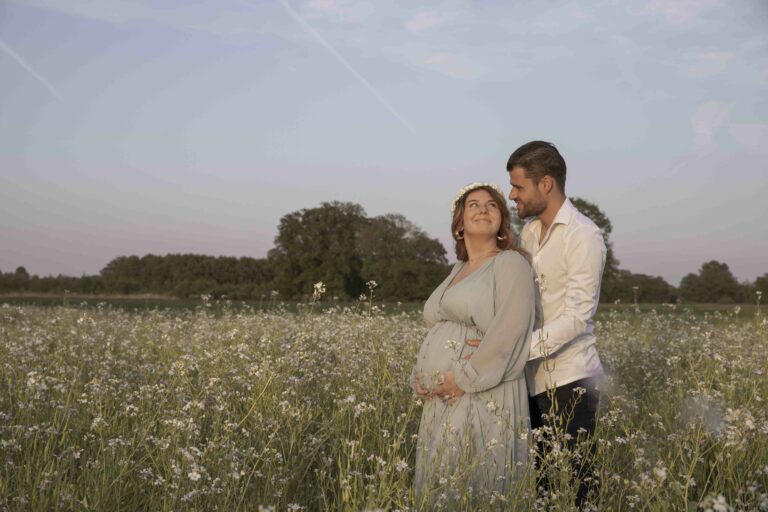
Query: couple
(510, 335)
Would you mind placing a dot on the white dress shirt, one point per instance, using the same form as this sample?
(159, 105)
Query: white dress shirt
(569, 263)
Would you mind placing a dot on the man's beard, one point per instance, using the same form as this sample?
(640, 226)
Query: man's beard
(532, 210)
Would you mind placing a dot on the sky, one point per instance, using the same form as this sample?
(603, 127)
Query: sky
(136, 127)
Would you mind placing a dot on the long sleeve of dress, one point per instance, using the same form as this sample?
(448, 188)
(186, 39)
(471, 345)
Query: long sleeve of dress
(503, 351)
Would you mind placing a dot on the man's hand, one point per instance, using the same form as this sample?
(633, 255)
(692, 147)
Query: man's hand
(473, 344)
(447, 388)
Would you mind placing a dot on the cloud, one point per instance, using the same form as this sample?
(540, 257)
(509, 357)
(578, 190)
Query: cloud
(348, 11)
(454, 66)
(680, 11)
(706, 122)
(424, 21)
(753, 136)
(711, 64)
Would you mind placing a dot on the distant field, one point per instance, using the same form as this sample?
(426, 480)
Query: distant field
(145, 302)
(214, 407)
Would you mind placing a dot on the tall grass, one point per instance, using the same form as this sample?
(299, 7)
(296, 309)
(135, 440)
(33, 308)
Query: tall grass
(103, 409)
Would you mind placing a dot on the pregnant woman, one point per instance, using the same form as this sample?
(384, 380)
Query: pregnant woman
(475, 417)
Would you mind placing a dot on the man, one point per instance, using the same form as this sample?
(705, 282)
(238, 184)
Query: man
(568, 255)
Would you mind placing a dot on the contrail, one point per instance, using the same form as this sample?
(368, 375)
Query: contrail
(29, 69)
(295, 15)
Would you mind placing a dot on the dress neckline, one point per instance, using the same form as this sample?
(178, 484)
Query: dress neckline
(452, 284)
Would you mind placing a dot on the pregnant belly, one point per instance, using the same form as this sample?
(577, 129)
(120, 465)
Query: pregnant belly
(442, 347)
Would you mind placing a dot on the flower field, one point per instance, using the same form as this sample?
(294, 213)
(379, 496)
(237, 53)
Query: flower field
(221, 408)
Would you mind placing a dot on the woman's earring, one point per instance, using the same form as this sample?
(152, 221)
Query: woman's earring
(500, 237)
(459, 234)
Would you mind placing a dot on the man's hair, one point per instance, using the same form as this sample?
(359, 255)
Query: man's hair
(538, 159)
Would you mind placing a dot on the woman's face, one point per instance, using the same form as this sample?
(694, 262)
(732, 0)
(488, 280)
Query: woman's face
(482, 216)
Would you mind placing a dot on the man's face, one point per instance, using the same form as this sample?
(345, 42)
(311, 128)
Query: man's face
(527, 195)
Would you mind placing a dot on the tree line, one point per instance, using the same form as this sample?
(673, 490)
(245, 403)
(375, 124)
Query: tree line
(338, 244)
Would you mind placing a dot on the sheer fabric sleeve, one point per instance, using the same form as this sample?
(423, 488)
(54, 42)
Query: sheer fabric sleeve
(503, 351)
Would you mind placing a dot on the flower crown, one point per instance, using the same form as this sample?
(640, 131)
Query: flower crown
(469, 188)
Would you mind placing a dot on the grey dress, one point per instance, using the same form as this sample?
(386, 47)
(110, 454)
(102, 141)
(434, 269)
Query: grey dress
(479, 439)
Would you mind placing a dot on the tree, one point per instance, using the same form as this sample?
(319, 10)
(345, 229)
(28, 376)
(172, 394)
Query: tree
(405, 263)
(19, 280)
(713, 283)
(337, 244)
(761, 285)
(610, 286)
(318, 244)
(644, 288)
(185, 275)
(122, 275)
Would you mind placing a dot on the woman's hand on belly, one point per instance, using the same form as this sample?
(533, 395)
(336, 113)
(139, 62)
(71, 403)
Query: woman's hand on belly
(421, 390)
(446, 387)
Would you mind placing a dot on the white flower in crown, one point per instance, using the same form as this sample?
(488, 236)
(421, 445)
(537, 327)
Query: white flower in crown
(469, 188)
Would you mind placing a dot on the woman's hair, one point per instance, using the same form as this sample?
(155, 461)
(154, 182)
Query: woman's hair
(505, 239)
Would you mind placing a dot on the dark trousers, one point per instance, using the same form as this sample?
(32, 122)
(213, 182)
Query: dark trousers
(574, 413)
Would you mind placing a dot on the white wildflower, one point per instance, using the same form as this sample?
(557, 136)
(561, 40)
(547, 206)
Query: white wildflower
(319, 290)
(492, 444)
(718, 504)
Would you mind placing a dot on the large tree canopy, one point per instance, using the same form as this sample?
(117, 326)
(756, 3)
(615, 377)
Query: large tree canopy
(713, 283)
(318, 244)
(337, 244)
(405, 263)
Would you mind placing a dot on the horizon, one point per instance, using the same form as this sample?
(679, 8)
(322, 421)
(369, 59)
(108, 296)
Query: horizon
(449, 255)
(130, 128)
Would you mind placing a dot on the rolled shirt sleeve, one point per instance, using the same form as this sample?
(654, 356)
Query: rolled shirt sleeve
(584, 253)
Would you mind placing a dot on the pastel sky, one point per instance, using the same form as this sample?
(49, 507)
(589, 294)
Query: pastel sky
(135, 127)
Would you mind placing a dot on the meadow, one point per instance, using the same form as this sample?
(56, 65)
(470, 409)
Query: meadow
(303, 408)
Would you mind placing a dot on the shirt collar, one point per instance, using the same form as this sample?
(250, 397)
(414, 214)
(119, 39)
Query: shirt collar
(565, 213)
(563, 216)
